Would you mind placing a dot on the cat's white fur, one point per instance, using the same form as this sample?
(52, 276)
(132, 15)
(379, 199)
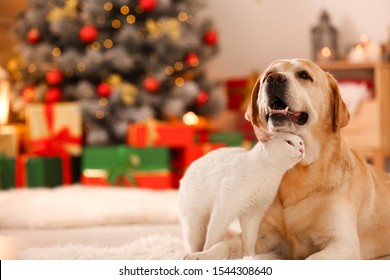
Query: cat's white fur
(233, 182)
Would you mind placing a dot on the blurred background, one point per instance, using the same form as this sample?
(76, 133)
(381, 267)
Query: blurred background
(126, 94)
(83, 79)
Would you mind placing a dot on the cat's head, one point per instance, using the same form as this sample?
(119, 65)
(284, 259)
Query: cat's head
(282, 145)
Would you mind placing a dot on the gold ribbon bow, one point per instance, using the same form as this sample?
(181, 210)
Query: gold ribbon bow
(152, 134)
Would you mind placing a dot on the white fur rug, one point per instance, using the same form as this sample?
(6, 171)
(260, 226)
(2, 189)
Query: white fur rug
(153, 247)
(77, 206)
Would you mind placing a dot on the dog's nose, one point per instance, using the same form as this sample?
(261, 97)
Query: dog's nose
(276, 78)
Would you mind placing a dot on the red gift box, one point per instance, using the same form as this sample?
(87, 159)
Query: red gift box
(154, 180)
(95, 178)
(239, 91)
(159, 134)
(159, 179)
(182, 158)
(176, 177)
(236, 92)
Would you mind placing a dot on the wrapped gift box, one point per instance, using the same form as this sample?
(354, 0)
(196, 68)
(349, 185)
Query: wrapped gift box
(54, 128)
(230, 139)
(182, 158)
(159, 134)
(236, 91)
(176, 177)
(9, 143)
(239, 91)
(15, 139)
(35, 171)
(7, 172)
(125, 166)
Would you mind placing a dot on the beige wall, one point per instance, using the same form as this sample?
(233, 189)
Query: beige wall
(255, 32)
(8, 11)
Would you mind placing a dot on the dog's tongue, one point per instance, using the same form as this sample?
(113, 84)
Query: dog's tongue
(294, 116)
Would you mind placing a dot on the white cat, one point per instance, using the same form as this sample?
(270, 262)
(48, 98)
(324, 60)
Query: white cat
(233, 182)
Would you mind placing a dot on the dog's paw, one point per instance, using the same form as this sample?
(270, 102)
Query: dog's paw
(196, 256)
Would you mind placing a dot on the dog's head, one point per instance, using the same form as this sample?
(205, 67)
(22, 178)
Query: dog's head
(297, 96)
(293, 95)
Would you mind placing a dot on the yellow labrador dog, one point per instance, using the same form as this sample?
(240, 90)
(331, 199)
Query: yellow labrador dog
(332, 205)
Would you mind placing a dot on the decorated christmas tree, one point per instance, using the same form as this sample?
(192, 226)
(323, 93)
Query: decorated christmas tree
(123, 60)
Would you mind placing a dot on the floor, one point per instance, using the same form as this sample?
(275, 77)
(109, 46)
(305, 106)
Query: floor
(14, 241)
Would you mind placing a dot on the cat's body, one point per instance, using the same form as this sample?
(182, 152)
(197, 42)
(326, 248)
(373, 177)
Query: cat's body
(233, 182)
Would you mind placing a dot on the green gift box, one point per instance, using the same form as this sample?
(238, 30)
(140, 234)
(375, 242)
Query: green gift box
(113, 163)
(34, 171)
(105, 157)
(7, 172)
(231, 139)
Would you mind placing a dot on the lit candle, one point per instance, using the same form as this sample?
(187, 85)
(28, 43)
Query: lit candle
(4, 96)
(325, 54)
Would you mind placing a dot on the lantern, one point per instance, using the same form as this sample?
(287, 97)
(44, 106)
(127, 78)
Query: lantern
(8, 133)
(324, 40)
(4, 96)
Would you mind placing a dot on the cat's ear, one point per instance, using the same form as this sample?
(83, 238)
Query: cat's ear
(261, 134)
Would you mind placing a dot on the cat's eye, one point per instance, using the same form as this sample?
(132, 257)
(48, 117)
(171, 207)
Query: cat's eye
(289, 142)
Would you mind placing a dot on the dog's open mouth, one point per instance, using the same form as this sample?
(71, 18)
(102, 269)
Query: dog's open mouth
(280, 109)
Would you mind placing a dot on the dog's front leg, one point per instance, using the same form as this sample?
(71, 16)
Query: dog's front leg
(338, 250)
(342, 240)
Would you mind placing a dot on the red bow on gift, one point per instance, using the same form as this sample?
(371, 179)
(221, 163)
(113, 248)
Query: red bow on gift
(54, 144)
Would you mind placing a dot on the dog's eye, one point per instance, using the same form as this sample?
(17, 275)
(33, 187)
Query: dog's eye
(304, 75)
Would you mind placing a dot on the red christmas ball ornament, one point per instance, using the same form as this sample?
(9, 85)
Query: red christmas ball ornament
(33, 36)
(104, 89)
(202, 98)
(54, 77)
(151, 84)
(210, 37)
(148, 5)
(192, 59)
(28, 93)
(53, 94)
(88, 33)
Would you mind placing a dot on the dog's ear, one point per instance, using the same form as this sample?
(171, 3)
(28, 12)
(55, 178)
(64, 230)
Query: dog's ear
(252, 111)
(341, 115)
